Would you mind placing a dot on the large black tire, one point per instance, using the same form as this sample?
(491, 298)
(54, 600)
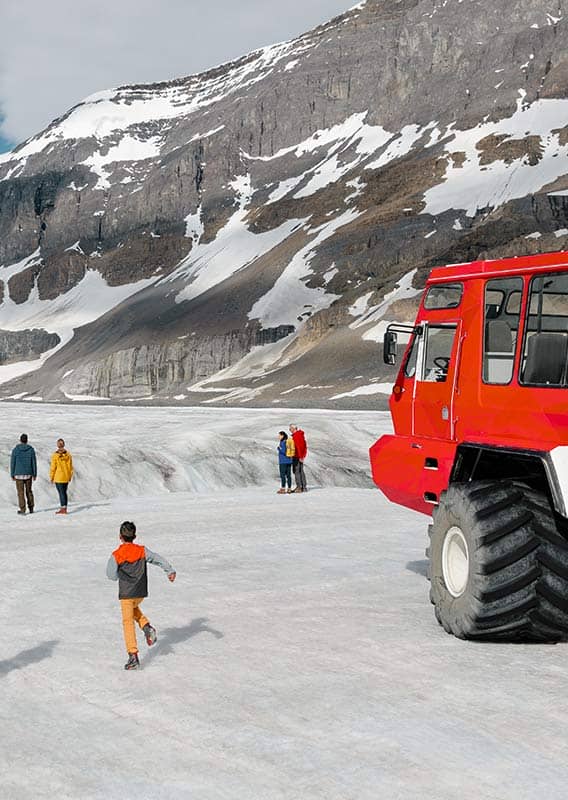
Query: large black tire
(513, 585)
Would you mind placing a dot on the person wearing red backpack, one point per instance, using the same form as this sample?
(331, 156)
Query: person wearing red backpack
(301, 448)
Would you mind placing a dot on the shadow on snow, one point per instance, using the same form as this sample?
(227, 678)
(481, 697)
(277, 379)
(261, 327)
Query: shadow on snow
(419, 567)
(172, 636)
(27, 657)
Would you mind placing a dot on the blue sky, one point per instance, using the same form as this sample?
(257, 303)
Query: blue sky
(4, 144)
(56, 55)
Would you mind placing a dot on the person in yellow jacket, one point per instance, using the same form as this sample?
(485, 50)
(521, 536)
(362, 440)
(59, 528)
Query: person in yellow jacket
(60, 473)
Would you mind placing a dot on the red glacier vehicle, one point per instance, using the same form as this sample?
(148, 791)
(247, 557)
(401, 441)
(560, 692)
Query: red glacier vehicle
(480, 414)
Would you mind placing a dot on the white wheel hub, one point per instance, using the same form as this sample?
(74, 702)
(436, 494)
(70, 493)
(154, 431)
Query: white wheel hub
(455, 561)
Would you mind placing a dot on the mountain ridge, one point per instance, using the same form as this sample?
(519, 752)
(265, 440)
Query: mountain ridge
(174, 254)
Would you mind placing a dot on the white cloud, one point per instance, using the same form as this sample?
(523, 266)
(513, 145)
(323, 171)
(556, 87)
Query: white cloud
(55, 55)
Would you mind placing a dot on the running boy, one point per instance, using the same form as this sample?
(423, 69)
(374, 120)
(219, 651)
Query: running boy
(127, 565)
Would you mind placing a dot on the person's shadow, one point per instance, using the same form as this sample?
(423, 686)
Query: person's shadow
(172, 636)
(86, 507)
(27, 657)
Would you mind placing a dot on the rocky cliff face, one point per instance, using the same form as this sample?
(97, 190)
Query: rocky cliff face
(230, 237)
(25, 345)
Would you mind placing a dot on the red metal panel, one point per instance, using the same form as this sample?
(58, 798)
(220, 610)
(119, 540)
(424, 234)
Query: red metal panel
(399, 468)
(543, 262)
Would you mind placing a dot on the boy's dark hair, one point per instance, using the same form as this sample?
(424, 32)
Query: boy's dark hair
(24, 438)
(128, 531)
(283, 433)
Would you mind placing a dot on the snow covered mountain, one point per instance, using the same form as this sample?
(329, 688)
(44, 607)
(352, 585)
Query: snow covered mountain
(243, 235)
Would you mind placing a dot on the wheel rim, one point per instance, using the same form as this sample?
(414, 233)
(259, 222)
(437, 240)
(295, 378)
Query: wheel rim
(455, 562)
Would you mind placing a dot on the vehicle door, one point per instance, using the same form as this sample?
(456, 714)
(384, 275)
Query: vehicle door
(435, 383)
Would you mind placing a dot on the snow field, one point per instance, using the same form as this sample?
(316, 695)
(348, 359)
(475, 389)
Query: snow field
(139, 451)
(297, 658)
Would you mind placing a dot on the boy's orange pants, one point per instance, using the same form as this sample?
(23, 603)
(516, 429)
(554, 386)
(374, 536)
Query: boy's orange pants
(130, 613)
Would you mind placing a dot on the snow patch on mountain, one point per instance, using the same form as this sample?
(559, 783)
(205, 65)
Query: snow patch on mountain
(360, 305)
(196, 137)
(259, 362)
(242, 394)
(194, 226)
(129, 148)
(29, 261)
(353, 132)
(377, 314)
(89, 299)
(400, 144)
(280, 305)
(233, 248)
(368, 389)
(473, 185)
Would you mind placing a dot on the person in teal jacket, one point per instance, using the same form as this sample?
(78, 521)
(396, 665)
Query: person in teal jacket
(23, 470)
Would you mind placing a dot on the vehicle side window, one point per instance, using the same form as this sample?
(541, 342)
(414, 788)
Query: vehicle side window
(500, 327)
(410, 364)
(445, 295)
(438, 352)
(545, 353)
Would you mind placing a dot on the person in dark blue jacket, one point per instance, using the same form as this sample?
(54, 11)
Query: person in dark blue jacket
(285, 459)
(23, 469)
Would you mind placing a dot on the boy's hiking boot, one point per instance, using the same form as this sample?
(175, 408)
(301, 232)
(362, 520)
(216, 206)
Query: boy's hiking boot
(133, 662)
(150, 634)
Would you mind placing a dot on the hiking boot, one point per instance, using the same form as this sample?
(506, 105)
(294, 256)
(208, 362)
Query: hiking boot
(150, 634)
(61, 511)
(290, 491)
(281, 491)
(21, 512)
(31, 511)
(133, 662)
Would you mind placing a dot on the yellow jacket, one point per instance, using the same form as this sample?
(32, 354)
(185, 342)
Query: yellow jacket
(61, 470)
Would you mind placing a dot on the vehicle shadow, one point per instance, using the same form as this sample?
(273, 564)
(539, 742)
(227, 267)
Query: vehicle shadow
(419, 567)
(27, 657)
(168, 638)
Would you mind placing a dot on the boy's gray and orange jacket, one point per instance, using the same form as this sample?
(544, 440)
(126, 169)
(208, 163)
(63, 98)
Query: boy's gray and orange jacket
(127, 565)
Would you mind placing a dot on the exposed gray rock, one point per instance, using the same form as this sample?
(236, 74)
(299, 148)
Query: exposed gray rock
(153, 368)
(25, 345)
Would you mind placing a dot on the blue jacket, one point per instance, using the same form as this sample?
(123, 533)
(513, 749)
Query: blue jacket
(23, 461)
(282, 457)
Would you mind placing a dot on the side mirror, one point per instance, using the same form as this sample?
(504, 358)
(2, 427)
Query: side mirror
(389, 348)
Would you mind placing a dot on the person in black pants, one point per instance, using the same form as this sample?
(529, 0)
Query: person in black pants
(285, 458)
